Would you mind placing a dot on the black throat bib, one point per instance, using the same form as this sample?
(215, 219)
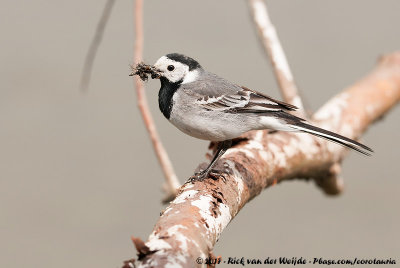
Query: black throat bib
(165, 95)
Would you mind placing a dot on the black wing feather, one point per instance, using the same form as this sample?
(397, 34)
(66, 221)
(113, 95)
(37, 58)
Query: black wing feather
(245, 101)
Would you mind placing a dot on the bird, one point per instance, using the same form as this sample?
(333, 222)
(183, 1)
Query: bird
(209, 107)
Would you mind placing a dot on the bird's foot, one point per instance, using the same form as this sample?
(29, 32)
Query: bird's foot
(199, 176)
(203, 174)
(217, 174)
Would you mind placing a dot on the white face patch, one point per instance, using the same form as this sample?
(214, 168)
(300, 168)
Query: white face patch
(180, 71)
(191, 76)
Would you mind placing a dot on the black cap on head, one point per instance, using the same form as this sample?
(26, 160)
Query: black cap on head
(193, 64)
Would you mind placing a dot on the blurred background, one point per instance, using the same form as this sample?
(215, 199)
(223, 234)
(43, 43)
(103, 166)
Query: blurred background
(78, 175)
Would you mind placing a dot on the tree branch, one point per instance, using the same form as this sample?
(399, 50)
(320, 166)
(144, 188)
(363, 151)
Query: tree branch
(331, 182)
(272, 46)
(94, 45)
(192, 223)
(172, 183)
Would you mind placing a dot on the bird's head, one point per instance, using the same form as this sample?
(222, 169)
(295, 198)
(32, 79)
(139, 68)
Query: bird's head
(177, 68)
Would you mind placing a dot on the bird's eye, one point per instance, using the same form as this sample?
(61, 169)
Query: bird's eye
(171, 67)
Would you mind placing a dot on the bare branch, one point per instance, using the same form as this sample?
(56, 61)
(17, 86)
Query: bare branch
(172, 183)
(94, 45)
(330, 182)
(193, 222)
(272, 46)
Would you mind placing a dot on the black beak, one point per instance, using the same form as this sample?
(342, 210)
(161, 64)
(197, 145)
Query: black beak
(156, 75)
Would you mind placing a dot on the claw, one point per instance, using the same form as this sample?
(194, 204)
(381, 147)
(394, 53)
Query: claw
(203, 174)
(216, 175)
(198, 176)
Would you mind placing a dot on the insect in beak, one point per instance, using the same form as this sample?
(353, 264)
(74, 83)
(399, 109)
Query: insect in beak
(144, 70)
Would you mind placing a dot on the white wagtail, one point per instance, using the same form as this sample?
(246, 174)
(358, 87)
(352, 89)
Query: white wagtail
(208, 107)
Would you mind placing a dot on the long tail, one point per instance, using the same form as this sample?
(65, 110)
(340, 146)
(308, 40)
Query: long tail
(333, 137)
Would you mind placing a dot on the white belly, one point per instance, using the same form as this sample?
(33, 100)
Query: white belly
(207, 127)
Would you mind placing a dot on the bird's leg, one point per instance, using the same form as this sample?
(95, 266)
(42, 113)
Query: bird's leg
(221, 149)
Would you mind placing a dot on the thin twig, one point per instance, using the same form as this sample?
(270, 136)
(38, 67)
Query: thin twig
(94, 45)
(172, 183)
(331, 182)
(272, 46)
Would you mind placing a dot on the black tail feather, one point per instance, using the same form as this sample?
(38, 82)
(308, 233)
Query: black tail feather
(334, 137)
